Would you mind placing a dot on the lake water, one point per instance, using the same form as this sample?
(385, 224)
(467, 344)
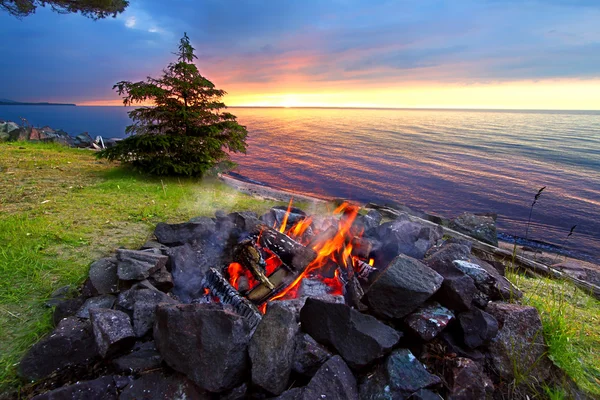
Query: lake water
(440, 161)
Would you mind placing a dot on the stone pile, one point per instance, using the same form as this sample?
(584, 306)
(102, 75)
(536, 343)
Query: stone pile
(434, 322)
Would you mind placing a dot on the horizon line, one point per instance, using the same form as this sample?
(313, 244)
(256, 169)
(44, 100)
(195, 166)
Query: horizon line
(384, 108)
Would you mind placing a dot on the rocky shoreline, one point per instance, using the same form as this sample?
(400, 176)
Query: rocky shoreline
(12, 132)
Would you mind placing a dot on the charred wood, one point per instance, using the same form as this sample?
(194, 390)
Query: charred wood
(291, 253)
(251, 258)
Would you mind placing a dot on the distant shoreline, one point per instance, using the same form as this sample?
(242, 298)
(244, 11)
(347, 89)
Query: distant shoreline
(11, 103)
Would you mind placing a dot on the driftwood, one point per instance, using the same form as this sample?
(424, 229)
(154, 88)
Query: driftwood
(249, 256)
(489, 252)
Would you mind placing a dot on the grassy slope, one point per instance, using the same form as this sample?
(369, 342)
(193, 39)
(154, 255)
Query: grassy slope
(60, 209)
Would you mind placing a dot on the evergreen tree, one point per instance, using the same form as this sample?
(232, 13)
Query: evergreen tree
(95, 9)
(186, 132)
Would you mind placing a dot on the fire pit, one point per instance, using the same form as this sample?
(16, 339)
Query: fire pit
(337, 306)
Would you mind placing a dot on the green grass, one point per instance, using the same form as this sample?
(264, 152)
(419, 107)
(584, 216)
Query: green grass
(60, 209)
(571, 321)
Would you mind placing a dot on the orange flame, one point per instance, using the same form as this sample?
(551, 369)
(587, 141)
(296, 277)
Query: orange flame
(371, 262)
(285, 217)
(301, 226)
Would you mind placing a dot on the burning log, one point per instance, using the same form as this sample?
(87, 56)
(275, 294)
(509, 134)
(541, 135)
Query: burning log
(218, 287)
(250, 257)
(364, 271)
(281, 278)
(293, 254)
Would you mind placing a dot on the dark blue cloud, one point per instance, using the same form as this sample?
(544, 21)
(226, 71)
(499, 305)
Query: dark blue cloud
(49, 56)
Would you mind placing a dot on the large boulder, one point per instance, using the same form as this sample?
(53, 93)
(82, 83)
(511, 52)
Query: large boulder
(358, 338)
(519, 343)
(189, 232)
(479, 226)
(158, 386)
(112, 331)
(403, 236)
(272, 349)
(219, 339)
(401, 287)
(397, 378)
(71, 343)
(102, 388)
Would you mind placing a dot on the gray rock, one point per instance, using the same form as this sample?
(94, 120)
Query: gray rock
(272, 347)
(425, 394)
(238, 393)
(488, 280)
(143, 357)
(188, 268)
(103, 301)
(138, 265)
(66, 308)
(457, 292)
(145, 302)
(189, 232)
(71, 343)
(397, 378)
(429, 320)
(219, 339)
(61, 294)
(292, 394)
(158, 386)
(478, 327)
(452, 342)
(401, 287)
(519, 343)
(98, 389)
(372, 220)
(403, 236)
(103, 276)
(246, 220)
(466, 380)
(4, 137)
(83, 140)
(479, 226)
(309, 355)
(112, 331)
(358, 338)
(441, 261)
(162, 280)
(333, 381)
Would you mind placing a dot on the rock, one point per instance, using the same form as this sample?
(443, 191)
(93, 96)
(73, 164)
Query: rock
(143, 357)
(401, 287)
(238, 393)
(466, 380)
(71, 343)
(158, 386)
(455, 346)
(358, 338)
(162, 280)
(4, 137)
(519, 343)
(137, 265)
(145, 302)
(292, 394)
(479, 226)
(188, 269)
(317, 289)
(457, 292)
(478, 327)
(66, 308)
(309, 355)
(19, 134)
(112, 331)
(488, 280)
(441, 261)
(372, 220)
(425, 394)
(153, 244)
(245, 221)
(103, 301)
(101, 388)
(178, 234)
(83, 140)
(272, 347)
(103, 276)
(403, 236)
(61, 294)
(333, 381)
(429, 320)
(218, 336)
(397, 378)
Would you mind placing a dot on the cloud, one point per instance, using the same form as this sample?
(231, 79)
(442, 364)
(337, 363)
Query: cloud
(130, 22)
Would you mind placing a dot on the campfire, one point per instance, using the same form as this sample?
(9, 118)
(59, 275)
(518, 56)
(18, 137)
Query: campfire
(341, 306)
(273, 261)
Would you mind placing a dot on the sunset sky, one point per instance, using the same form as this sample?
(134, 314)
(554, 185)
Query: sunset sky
(534, 54)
